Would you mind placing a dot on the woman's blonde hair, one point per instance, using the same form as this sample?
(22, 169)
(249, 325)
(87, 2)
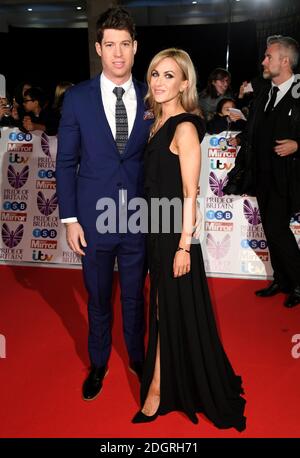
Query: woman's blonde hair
(189, 97)
(60, 92)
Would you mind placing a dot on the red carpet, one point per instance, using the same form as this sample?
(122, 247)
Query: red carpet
(44, 321)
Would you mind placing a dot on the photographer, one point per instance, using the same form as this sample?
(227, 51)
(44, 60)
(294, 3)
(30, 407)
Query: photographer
(7, 118)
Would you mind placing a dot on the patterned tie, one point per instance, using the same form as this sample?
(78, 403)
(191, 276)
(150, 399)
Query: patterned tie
(121, 120)
(272, 101)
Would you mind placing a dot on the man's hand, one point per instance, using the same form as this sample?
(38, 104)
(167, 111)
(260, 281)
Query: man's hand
(75, 238)
(286, 147)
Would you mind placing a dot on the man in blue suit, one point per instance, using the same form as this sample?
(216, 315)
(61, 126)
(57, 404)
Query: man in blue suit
(102, 135)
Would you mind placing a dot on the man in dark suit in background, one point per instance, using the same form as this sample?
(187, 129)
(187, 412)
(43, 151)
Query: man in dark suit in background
(102, 135)
(268, 164)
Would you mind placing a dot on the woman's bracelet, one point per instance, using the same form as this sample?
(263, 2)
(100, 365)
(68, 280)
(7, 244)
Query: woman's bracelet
(182, 249)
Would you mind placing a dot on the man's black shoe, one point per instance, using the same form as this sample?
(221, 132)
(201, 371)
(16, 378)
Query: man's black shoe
(136, 367)
(293, 299)
(271, 290)
(93, 384)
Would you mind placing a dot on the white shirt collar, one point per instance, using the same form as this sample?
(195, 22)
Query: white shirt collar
(284, 87)
(109, 86)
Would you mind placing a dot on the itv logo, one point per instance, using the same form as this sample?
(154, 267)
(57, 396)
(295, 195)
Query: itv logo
(16, 159)
(40, 256)
(220, 165)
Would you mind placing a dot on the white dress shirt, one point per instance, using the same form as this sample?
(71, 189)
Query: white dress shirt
(283, 89)
(109, 104)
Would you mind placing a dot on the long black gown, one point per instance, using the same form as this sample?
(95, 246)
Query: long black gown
(195, 373)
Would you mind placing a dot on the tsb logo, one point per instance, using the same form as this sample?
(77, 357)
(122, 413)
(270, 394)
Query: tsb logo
(214, 141)
(44, 233)
(46, 174)
(20, 136)
(227, 215)
(254, 244)
(15, 206)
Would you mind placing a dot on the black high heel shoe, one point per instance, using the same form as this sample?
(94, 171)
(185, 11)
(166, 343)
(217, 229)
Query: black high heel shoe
(140, 417)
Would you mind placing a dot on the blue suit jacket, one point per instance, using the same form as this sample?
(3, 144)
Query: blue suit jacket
(89, 165)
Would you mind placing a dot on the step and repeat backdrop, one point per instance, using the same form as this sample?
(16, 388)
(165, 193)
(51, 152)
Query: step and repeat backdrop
(30, 227)
(232, 238)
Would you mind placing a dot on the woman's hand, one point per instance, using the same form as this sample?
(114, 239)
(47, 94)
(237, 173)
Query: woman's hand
(14, 113)
(242, 89)
(182, 263)
(27, 123)
(234, 116)
(4, 108)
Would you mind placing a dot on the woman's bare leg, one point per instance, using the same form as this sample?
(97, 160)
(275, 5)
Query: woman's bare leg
(153, 397)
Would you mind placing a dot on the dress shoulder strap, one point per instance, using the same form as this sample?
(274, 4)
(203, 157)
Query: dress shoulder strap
(186, 117)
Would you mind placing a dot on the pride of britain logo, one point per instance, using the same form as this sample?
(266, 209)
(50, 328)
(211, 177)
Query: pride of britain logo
(45, 145)
(17, 179)
(46, 206)
(251, 213)
(12, 238)
(218, 248)
(217, 184)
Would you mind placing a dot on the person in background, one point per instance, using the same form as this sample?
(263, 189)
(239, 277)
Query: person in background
(38, 115)
(224, 119)
(6, 119)
(59, 94)
(218, 87)
(12, 112)
(268, 164)
(247, 94)
(18, 112)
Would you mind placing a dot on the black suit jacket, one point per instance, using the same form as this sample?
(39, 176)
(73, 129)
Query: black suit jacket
(286, 126)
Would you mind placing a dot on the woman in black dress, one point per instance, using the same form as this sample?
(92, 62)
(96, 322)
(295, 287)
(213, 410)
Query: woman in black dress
(186, 368)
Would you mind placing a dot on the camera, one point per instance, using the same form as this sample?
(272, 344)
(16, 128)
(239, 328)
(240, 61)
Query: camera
(8, 107)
